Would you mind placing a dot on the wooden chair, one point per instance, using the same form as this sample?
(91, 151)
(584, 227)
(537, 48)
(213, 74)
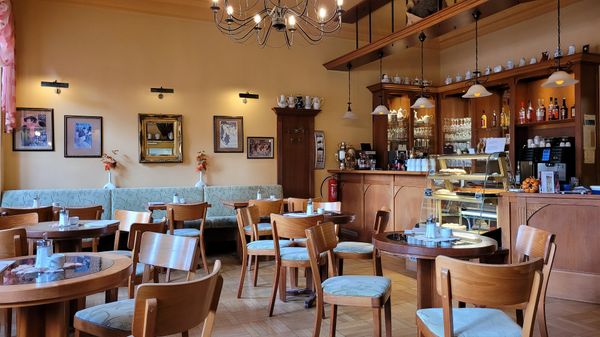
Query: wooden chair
(158, 307)
(245, 218)
(178, 213)
(332, 206)
(13, 243)
(292, 256)
(298, 204)
(126, 219)
(44, 213)
(156, 250)
(352, 290)
(18, 220)
(534, 243)
(265, 208)
(84, 213)
(363, 250)
(487, 286)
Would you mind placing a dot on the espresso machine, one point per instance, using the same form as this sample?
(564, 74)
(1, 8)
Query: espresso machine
(554, 156)
(366, 157)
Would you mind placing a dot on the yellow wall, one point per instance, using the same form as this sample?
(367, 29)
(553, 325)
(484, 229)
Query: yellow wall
(111, 58)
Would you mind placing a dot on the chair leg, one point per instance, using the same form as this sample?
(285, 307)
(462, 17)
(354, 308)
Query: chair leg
(111, 295)
(387, 307)
(340, 267)
(541, 316)
(519, 317)
(95, 245)
(282, 284)
(7, 322)
(131, 287)
(377, 322)
(293, 277)
(318, 317)
(203, 254)
(255, 280)
(333, 320)
(242, 274)
(275, 286)
(378, 270)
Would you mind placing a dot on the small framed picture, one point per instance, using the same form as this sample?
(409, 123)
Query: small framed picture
(260, 147)
(34, 130)
(228, 134)
(319, 150)
(83, 136)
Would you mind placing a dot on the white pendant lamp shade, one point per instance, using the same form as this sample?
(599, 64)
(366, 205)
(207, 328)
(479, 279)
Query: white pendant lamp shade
(559, 79)
(381, 110)
(422, 103)
(349, 114)
(477, 90)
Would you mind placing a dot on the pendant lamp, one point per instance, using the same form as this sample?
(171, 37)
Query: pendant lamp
(349, 114)
(381, 109)
(422, 102)
(559, 78)
(476, 90)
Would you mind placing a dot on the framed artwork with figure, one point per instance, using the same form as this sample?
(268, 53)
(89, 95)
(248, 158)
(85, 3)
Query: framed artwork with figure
(260, 147)
(83, 136)
(228, 134)
(34, 130)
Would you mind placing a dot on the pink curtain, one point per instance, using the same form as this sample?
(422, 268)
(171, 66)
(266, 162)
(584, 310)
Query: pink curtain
(7, 61)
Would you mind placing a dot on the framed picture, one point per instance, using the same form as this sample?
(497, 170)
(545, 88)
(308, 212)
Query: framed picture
(228, 134)
(83, 136)
(319, 149)
(260, 147)
(34, 130)
(161, 138)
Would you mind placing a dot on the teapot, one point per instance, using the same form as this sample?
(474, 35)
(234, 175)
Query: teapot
(281, 101)
(307, 102)
(291, 101)
(316, 102)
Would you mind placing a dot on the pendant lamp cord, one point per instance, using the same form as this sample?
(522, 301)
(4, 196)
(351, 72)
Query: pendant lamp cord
(380, 74)
(559, 55)
(476, 15)
(422, 38)
(349, 67)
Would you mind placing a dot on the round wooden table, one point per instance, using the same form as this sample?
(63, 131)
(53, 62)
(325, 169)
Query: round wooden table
(338, 218)
(41, 298)
(469, 246)
(68, 239)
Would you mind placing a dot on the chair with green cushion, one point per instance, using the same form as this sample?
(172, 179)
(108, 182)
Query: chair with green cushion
(363, 250)
(487, 287)
(114, 319)
(353, 290)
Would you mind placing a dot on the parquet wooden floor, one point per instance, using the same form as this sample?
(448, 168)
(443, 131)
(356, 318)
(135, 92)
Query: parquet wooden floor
(248, 316)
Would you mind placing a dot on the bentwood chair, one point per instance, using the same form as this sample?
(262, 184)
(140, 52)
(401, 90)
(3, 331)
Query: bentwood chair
(114, 319)
(332, 206)
(352, 290)
(158, 307)
(245, 218)
(178, 213)
(486, 286)
(363, 250)
(84, 213)
(299, 204)
(265, 208)
(291, 257)
(126, 219)
(534, 243)
(44, 213)
(18, 220)
(13, 243)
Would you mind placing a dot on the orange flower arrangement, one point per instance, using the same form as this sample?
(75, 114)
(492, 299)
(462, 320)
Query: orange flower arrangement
(109, 161)
(201, 161)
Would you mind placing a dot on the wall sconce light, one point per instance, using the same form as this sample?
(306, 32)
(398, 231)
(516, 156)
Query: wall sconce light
(246, 95)
(56, 85)
(161, 91)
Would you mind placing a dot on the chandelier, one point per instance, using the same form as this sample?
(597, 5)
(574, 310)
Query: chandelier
(241, 20)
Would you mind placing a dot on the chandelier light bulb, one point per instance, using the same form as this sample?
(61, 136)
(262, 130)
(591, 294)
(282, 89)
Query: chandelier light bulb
(229, 10)
(292, 21)
(340, 3)
(257, 19)
(322, 13)
(215, 3)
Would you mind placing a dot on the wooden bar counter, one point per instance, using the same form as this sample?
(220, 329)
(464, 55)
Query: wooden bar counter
(365, 192)
(575, 219)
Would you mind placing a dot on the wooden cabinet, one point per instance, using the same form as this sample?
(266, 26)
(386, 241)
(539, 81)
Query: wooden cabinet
(295, 151)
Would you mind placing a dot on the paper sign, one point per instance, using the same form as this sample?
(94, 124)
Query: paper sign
(493, 145)
(589, 139)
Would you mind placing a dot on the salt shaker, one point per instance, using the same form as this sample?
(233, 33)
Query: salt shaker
(175, 198)
(36, 202)
(44, 251)
(63, 217)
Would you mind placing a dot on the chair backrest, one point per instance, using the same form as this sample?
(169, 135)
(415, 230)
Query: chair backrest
(178, 213)
(169, 251)
(290, 227)
(247, 216)
(332, 206)
(127, 218)
(13, 242)
(267, 206)
(168, 309)
(321, 238)
(44, 213)
(84, 213)
(489, 285)
(298, 204)
(381, 220)
(18, 220)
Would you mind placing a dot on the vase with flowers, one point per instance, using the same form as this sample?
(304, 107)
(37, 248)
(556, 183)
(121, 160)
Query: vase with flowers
(201, 162)
(110, 164)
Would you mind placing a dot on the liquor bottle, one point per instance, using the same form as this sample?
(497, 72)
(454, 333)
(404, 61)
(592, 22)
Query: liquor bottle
(483, 120)
(502, 118)
(542, 111)
(522, 113)
(556, 109)
(550, 110)
(529, 114)
(518, 174)
(538, 111)
(494, 119)
(573, 111)
(564, 111)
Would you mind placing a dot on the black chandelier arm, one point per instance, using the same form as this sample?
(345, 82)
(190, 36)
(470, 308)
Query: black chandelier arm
(277, 4)
(231, 28)
(308, 36)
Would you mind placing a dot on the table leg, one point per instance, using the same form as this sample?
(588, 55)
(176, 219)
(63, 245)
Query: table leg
(427, 296)
(48, 320)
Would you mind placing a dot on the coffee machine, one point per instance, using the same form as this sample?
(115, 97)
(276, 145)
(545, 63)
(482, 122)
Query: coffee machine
(554, 156)
(366, 157)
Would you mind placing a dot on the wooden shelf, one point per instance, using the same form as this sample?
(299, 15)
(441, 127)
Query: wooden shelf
(467, 177)
(295, 112)
(561, 123)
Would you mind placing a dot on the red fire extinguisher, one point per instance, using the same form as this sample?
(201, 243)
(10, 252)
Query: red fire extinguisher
(332, 194)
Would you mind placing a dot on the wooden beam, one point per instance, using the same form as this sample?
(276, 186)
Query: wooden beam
(437, 24)
(361, 10)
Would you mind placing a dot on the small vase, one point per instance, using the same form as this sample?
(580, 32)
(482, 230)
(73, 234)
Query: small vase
(109, 185)
(200, 182)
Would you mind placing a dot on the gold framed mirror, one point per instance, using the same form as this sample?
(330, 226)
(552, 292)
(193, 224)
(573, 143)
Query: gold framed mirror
(161, 138)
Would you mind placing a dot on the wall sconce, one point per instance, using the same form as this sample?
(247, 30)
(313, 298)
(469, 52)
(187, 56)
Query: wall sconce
(246, 95)
(56, 85)
(161, 91)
